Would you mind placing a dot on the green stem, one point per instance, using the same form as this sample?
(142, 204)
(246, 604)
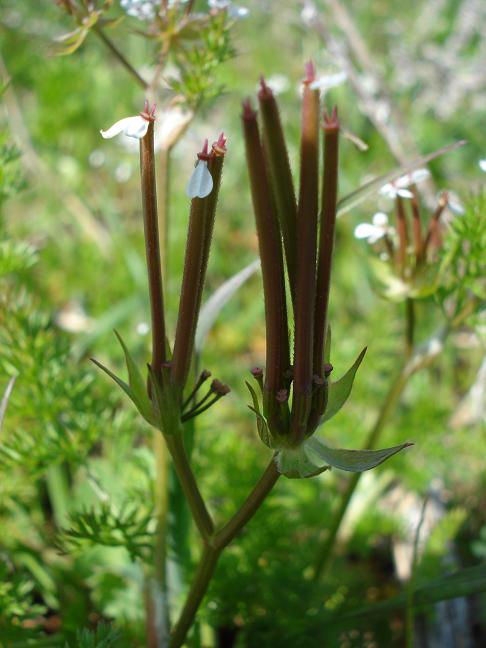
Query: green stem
(158, 591)
(202, 578)
(189, 485)
(250, 506)
(213, 549)
(410, 325)
(391, 400)
(119, 56)
(58, 490)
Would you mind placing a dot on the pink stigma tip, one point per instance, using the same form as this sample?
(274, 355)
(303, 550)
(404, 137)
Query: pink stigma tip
(204, 154)
(219, 147)
(148, 114)
(310, 72)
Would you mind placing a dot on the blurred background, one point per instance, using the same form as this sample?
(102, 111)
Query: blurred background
(408, 80)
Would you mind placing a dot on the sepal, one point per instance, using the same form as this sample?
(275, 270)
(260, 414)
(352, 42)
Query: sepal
(297, 463)
(340, 390)
(136, 389)
(351, 460)
(262, 427)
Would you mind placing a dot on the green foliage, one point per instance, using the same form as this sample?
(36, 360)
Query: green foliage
(104, 636)
(11, 178)
(127, 526)
(53, 415)
(63, 415)
(199, 62)
(16, 256)
(462, 265)
(16, 600)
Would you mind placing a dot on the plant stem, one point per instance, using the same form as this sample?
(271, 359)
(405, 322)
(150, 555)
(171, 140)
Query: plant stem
(202, 578)
(213, 549)
(391, 399)
(189, 485)
(410, 325)
(249, 507)
(158, 591)
(119, 56)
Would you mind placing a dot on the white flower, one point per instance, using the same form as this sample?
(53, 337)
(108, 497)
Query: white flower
(374, 231)
(454, 203)
(141, 9)
(135, 126)
(278, 83)
(399, 187)
(482, 165)
(328, 81)
(200, 183)
(234, 11)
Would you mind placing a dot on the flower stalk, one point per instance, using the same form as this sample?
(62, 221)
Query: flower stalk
(152, 250)
(306, 259)
(331, 128)
(201, 223)
(281, 176)
(277, 355)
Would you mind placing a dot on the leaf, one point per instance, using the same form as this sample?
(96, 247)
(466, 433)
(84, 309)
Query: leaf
(465, 582)
(137, 383)
(355, 197)
(213, 306)
(352, 460)
(145, 411)
(340, 390)
(262, 426)
(295, 463)
(72, 42)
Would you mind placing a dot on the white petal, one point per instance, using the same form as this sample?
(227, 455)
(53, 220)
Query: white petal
(482, 165)
(404, 193)
(454, 204)
(380, 219)
(388, 190)
(135, 126)
(419, 175)
(200, 183)
(329, 81)
(366, 231)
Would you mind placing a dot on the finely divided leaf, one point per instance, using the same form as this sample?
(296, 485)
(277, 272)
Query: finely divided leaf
(352, 460)
(340, 390)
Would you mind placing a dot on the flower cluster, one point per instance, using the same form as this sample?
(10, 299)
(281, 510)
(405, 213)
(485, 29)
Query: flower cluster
(407, 250)
(164, 405)
(296, 239)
